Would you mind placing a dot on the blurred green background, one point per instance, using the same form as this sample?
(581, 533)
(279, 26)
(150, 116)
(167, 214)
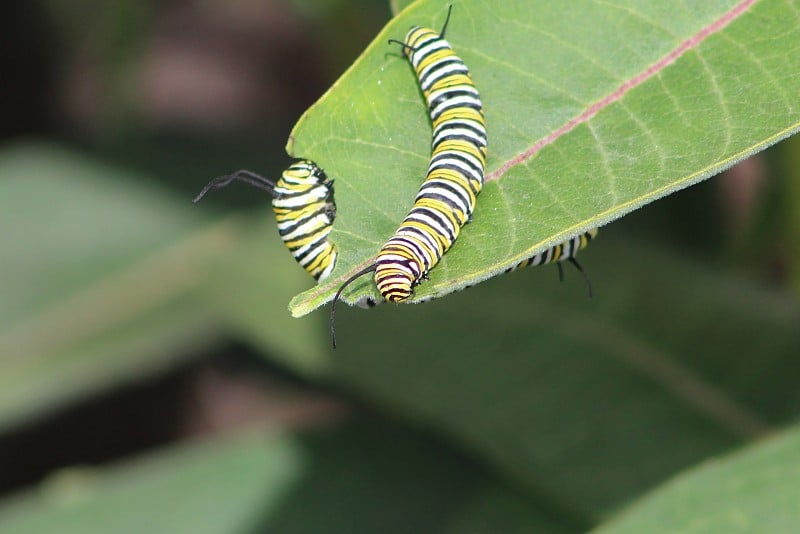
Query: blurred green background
(151, 376)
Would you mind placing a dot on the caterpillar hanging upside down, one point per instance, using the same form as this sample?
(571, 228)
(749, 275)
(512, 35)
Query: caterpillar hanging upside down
(302, 199)
(565, 251)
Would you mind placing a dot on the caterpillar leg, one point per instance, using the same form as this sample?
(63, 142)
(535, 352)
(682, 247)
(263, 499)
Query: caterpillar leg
(577, 265)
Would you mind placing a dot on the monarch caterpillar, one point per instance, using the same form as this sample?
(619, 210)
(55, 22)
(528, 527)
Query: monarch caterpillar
(302, 199)
(565, 251)
(455, 174)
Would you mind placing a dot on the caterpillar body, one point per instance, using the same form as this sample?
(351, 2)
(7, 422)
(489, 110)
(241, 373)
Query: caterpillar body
(446, 199)
(302, 199)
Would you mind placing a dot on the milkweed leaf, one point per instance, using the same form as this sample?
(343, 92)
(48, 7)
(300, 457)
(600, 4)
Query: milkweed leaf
(593, 110)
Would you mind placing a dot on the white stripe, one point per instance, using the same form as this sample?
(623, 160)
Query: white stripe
(310, 251)
(452, 102)
(448, 130)
(471, 173)
(319, 225)
(468, 123)
(428, 46)
(435, 73)
(420, 216)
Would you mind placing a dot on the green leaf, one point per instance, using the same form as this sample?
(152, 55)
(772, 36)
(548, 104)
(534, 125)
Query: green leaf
(755, 490)
(365, 476)
(587, 403)
(593, 109)
(223, 486)
(97, 262)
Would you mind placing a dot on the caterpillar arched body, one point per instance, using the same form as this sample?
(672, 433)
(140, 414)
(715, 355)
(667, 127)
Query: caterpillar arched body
(302, 199)
(455, 174)
(446, 199)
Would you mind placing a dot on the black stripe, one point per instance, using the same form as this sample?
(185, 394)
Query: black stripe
(441, 219)
(445, 99)
(468, 124)
(300, 192)
(419, 253)
(438, 140)
(434, 75)
(300, 222)
(426, 237)
(437, 164)
(428, 191)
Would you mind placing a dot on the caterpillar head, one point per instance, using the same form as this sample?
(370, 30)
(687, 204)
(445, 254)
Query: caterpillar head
(396, 276)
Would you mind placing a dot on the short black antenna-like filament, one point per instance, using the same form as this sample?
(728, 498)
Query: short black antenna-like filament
(444, 28)
(585, 276)
(247, 177)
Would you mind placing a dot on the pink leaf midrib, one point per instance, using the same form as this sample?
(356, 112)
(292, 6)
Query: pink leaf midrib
(626, 86)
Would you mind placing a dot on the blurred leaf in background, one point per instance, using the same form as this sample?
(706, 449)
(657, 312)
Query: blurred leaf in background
(103, 272)
(755, 490)
(364, 476)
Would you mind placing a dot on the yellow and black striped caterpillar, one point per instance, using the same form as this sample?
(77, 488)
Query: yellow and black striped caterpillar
(455, 174)
(565, 251)
(302, 199)
(455, 177)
